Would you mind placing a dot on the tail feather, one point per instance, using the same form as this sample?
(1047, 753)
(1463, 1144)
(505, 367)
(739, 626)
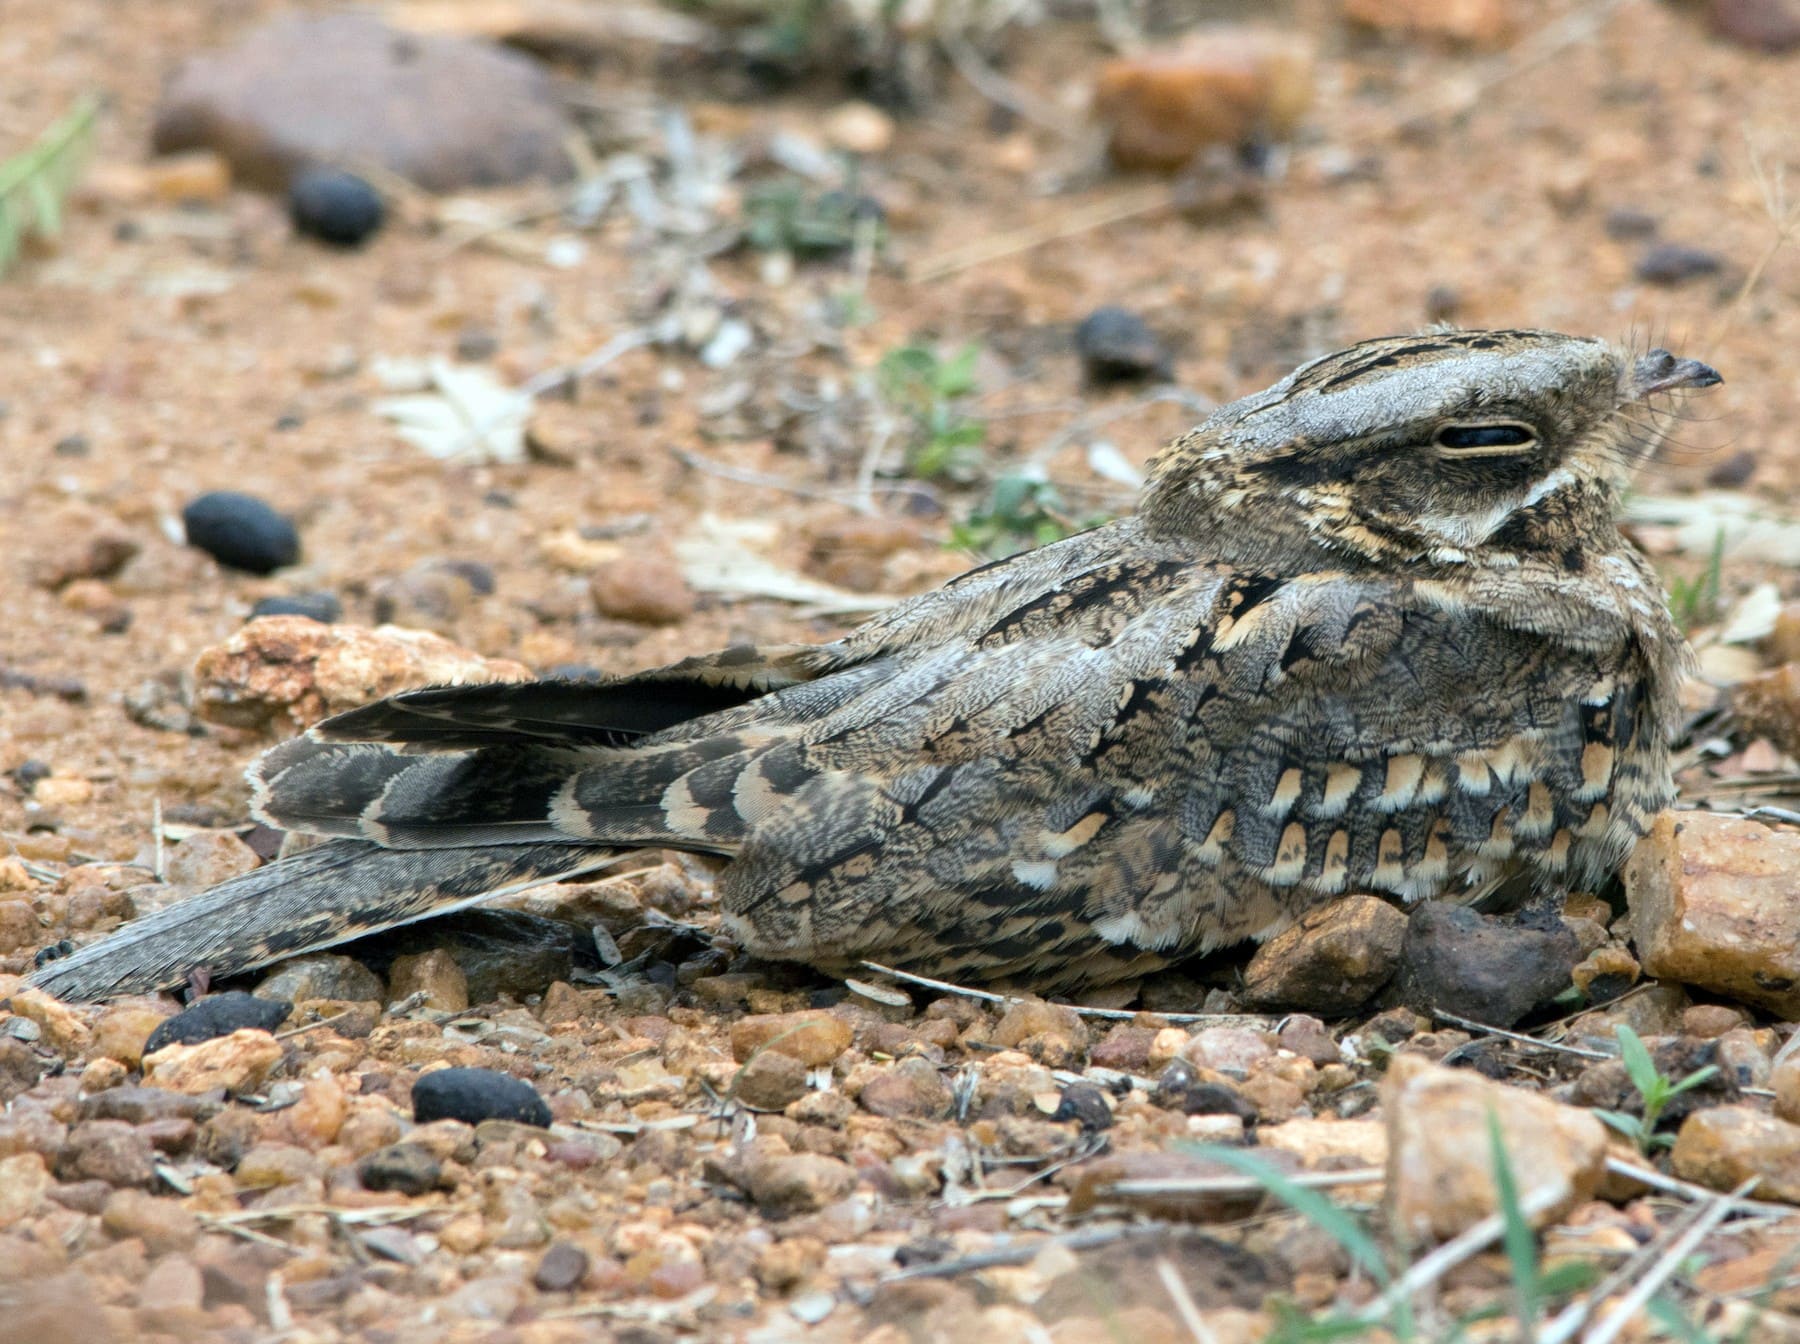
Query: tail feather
(327, 895)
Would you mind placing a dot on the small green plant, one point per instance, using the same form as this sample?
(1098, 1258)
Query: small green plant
(930, 389)
(34, 183)
(1654, 1090)
(1695, 602)
(1020, 512)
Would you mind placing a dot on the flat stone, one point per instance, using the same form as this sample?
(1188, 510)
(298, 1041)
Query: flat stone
(1724, 1146)
(770, 1081)
(1440, 1180)
(107, 1150)
(1331, 961)
(783, 1184)
(911, 1089)
(322, 975)
(1475, 23)
(285, 673)
(24, 1181)
(813, 1038)
(163, 1225)
(1711, 901)
(447, 113)
(236, 1063)
(1768, 705)
(433, 974)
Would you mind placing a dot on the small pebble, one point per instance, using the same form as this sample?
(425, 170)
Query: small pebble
(563, 1267)
(1442, 303)
(404, 1168)
(219, 1015)
(321, 607)
(474, 1095)
(334, 206)
(241, 532)
(1116, 344)
(1626, 222)
(475, 344)
(1085, 1103)
(1673, 263)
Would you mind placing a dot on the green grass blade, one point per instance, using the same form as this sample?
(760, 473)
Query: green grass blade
(1518, 1238)
(1639, 1067)
(1309, 1204)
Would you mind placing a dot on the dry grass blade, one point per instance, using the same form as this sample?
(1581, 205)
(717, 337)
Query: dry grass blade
(1428, 1269)
(1151, 1187)
(1185, 1306)
(1669, 1185)
(1683, 1245)
(1254, 1020)
(1469, 1024)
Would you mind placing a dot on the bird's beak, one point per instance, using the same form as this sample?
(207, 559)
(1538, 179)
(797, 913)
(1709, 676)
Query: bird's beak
(1660, 371)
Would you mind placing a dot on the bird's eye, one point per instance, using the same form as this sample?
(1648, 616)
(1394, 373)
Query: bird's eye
(1497, 438)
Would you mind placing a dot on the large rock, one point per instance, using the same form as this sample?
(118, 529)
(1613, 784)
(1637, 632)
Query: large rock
(346, 90)
(1440, 1178)
(1712, 904)
(1331, 961)
(285, 673)
(1492, 970)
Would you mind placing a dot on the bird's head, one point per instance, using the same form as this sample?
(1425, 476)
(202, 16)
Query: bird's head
(1419, 448)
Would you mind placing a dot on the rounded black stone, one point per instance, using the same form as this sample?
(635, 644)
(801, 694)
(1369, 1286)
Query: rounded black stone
(334, 206)
(474, 1095)
(321, 607)
(241, 531)
(1115, 344)
(218, 1015)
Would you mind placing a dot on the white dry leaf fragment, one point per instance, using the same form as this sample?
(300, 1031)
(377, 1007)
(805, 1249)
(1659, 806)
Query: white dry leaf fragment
(1739, 526)
(886, 995)
(1753, 616)
(1106, 461)
(716, 559)
(467, 416)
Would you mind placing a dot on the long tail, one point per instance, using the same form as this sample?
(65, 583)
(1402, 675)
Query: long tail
(324, 896)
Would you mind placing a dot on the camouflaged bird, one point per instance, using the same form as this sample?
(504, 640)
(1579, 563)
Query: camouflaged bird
(1373, 629)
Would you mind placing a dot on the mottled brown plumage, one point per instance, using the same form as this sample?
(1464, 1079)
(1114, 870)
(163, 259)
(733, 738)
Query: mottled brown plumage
(1372, 629)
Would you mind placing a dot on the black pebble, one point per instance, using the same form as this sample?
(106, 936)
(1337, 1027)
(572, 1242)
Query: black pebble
(405, 1168)
(334, 206)
(474, 1095)
(1116, 344)
(218, 1015)
(1085, 1103)
(1672, 263)
(321, 607)
(924, 1251)
(28, 772)
(241, 531)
